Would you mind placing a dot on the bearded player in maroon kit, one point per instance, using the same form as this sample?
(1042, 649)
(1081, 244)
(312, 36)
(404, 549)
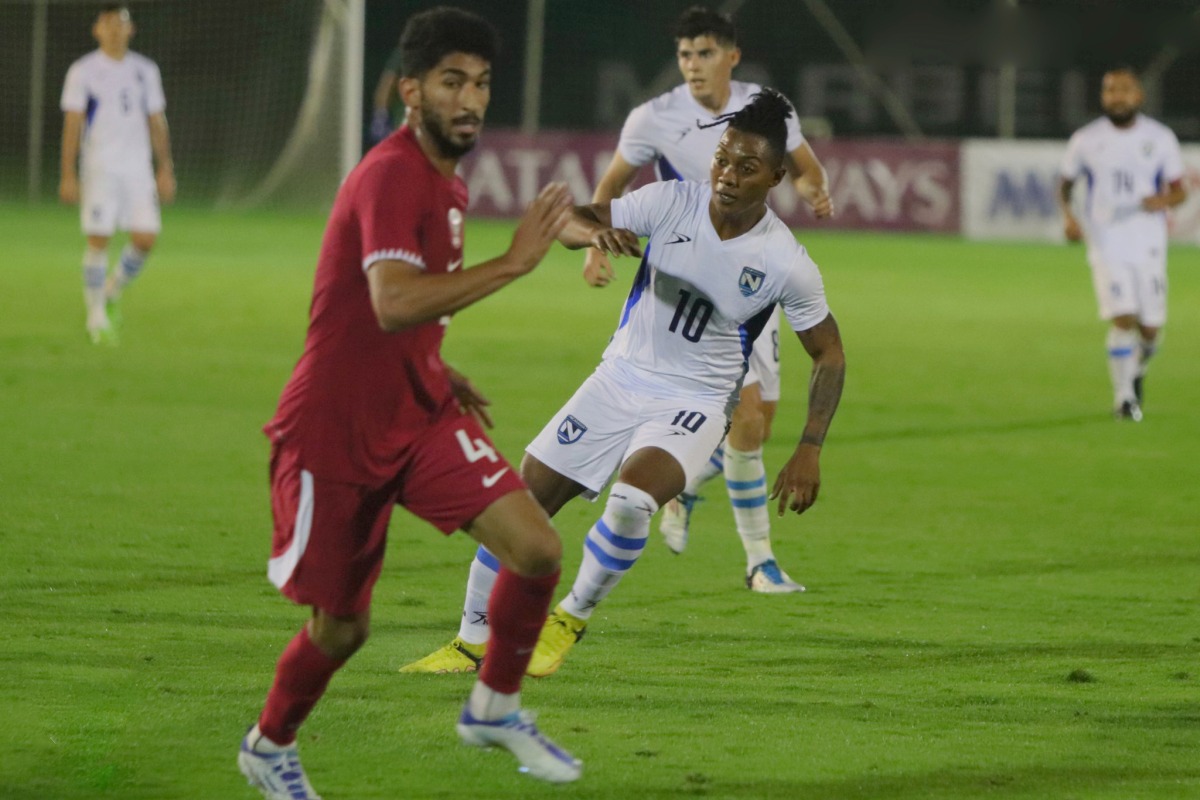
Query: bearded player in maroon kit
(372, 417)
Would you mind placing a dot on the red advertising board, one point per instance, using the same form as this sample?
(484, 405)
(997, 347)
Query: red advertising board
(876, 184)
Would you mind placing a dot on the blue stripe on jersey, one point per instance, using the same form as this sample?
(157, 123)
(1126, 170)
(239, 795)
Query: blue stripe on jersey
(741, 486)
(92, 104)
(1091, 180)
(1158, 181)
(623, 542)
(751, 328)
(666, 171)
(607, 561)
(640, 282)
(487, 559)
(751, 502)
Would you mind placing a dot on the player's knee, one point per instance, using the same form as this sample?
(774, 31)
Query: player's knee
(342, 637)
(748, 428)
(1125, 322)
(143, 241)
(540, 553)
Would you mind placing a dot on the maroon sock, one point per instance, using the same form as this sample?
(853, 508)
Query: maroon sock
(516, 612)
(301, 676)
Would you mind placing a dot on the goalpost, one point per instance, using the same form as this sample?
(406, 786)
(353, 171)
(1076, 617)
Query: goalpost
(264, 98)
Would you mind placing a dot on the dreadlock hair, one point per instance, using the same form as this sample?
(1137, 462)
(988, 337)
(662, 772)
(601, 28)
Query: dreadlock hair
(701, 21)
(765, 115)
(432, 35)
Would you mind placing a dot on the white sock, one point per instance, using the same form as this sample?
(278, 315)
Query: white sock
(1122, 363)
(259, 743)
(95, 268)
(611, 548)
(485, 568)
(746, 481)
(712, 468)
(487, 704)
(132, 260)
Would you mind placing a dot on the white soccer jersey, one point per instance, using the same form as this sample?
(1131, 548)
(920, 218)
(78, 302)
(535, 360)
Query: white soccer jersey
(697, 302)
(117, 97)
(1123, 166)
(665, 130)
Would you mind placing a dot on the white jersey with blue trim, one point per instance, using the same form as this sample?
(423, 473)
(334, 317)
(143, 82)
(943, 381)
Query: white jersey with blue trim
(666, 131)
(1122, 166)
(697, 302)
(117, 98)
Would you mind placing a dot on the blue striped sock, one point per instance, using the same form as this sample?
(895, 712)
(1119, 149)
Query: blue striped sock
(746, 482)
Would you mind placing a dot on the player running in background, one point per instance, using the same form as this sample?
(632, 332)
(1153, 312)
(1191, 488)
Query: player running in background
(717, 263)
(113, 104)
(668, 132)
(383, 96)
(1134, 172)
(372, 417)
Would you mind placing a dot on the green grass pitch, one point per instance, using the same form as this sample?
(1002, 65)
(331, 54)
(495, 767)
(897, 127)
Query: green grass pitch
(985, 530)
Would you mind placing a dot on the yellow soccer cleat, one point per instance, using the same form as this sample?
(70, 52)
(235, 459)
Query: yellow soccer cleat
(559, 635)
(458, 656)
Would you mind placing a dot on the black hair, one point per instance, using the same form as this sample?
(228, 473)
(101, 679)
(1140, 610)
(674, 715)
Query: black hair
(112, 8)
(701, 21)
(432, 35)
(1127, 68)
(765, 115)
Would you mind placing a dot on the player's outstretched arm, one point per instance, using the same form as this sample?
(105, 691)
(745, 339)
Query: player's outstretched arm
(1171, 197)
(811, 180)
(800, 479)
(1071, 227)
(591, 226)
(68, 184)
(160, 141)
(403, 294)
(597, 269)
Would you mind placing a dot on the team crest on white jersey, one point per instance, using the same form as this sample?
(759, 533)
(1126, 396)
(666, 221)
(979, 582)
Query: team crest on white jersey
(750, 281)
(571, 430)
(455, 218)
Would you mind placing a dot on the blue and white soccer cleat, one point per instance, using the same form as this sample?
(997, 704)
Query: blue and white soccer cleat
(768, 578)
(673, 525)
(518, 734)
(273, 770)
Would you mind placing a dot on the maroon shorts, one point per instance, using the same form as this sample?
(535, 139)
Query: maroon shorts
(329, 537)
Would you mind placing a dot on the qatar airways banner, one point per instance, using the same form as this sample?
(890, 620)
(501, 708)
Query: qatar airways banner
(1010, 191)
(875, 184)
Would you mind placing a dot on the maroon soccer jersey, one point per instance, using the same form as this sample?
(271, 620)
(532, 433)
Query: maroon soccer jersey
(359, 396)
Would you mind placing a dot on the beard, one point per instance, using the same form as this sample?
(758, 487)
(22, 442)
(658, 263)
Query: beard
(1121, 118)
(439, 134)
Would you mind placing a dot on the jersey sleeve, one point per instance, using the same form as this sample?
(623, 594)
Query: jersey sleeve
(636, 144)
(156, 100)
(794, 137)
(387, 202)
(74, 94)
(643, 210)
(1072, 163)
(803, 298)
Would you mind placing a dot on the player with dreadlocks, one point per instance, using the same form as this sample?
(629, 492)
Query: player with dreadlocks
(717, 263)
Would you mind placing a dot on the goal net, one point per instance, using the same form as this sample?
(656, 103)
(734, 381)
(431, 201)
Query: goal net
(263, 96)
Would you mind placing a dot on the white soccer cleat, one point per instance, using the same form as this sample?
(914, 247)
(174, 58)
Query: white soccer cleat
(517, 733)
(768, 578)
(673, 525)
(273, 770)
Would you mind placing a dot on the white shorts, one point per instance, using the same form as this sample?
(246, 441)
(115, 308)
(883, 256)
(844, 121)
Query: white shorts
(764, 360)
(112, 201)
(1126, 286)
(604, 423)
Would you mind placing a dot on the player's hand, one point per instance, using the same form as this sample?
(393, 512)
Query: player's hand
(799, 480)
(539, 226)
(164, 180)
(68, 190)
(822, 204)
(597, 269)
(469, 398)
(381, 125)
(1072, 229)
(1156, 202)
(616, 242)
